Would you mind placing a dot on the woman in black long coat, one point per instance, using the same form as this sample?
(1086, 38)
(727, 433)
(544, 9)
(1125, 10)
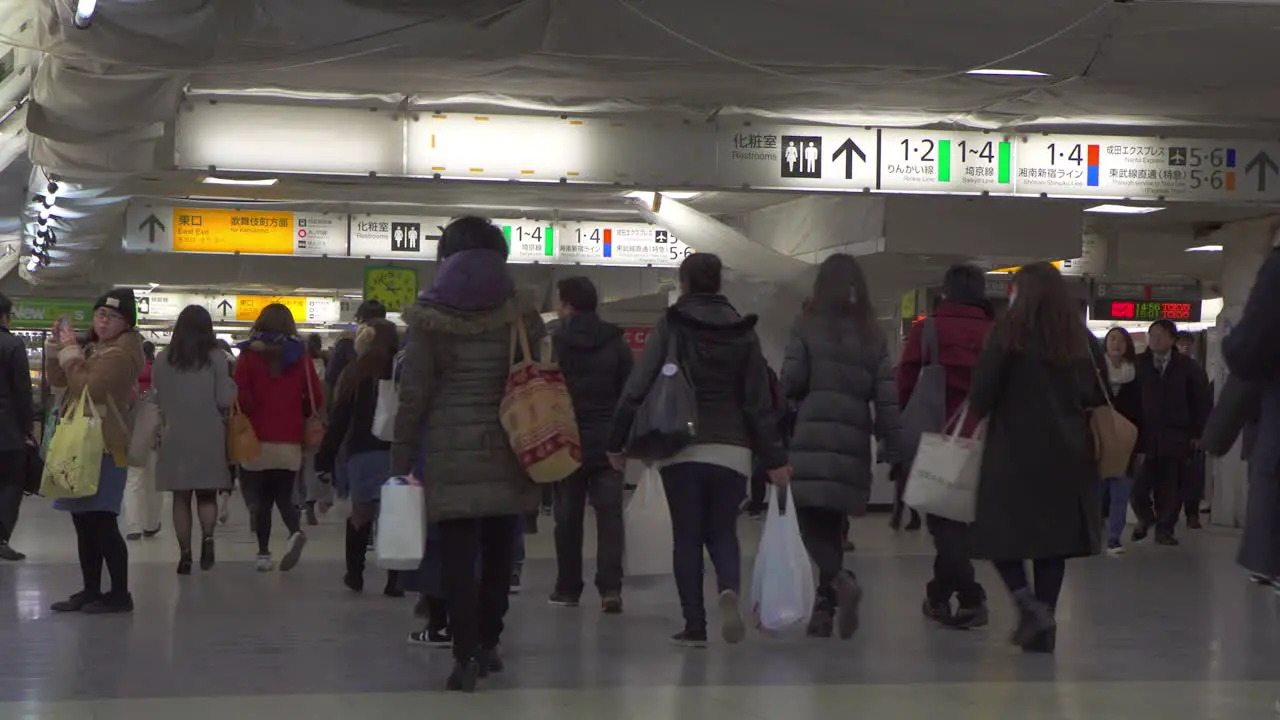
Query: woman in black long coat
(1035, 383)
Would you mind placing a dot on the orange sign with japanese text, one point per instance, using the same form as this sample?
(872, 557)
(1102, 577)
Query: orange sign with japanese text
(216, 230)
(249, 307)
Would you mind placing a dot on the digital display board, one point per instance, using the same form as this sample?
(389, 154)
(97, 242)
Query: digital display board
(1110, 309)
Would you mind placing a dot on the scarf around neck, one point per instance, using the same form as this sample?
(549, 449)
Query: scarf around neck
(1120, 375)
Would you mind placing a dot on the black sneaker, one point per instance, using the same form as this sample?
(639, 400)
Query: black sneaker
(611, 604)
(464, 677)
(559, 599)
(110, 604)
(152, 533)
(690, 639)
(133, 536)
(75, 603)
(516, 585)
(8, 553)
(491, 662)
(1193, 522)
(937, 611)
(431, 637)
(1167, 539)
(1140, 532)
(970, 618)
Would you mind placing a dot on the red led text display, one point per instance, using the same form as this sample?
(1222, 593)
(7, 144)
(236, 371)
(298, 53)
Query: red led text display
(1145, 310)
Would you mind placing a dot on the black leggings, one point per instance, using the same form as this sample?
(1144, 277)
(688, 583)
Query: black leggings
(99, 541)
(274, 487)
(1049, 574)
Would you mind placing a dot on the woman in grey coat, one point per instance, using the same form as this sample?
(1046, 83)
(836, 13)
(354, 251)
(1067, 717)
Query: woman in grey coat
(194, 390)
(837, 372)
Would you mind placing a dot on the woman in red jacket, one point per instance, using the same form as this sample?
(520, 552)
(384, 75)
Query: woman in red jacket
(962, 321)
(279, 389)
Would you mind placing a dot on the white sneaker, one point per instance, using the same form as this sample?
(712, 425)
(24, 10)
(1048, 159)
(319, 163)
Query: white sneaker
(293, 553)
(265, 564)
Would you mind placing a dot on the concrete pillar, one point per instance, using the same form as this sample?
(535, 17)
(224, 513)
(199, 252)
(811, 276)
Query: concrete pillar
(1244, 247)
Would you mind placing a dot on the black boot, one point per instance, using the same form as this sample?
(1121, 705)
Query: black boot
(357, 546)
(1035, 621)
(822, 623)
(392, 588)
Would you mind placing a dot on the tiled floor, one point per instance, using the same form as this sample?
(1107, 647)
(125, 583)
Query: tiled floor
(1160, 633)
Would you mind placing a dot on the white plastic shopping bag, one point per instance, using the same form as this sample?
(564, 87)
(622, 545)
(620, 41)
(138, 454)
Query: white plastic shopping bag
(782, 586)
(944, 476)
(402, 526)
(647, 520)
(384, 413)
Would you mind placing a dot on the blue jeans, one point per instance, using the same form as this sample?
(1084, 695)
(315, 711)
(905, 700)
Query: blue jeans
(704, 501)
(1119, 489)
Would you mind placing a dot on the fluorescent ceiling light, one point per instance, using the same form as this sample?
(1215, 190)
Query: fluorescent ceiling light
(1206, 248)
(1007, 73)
(1123, 209)
(669, 194)
(260, 182)
(84, 13)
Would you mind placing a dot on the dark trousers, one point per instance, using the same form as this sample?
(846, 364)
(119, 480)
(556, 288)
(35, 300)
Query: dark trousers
(13, 469)
(1193, 485)
(1049, 574)
(274, 489)
(759, 490)
(604, 488)
(953, 572)
(1159, 479)
(823, 532)
(99, 543)
(704, 501)
(477, 606)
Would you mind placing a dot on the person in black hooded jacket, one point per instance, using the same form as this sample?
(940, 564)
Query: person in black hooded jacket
(596, 362)
(705, 482)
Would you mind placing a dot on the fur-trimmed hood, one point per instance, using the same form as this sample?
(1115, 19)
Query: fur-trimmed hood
(428, 317)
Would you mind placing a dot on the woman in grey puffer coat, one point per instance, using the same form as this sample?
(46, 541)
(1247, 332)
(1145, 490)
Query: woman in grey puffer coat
(837, 372)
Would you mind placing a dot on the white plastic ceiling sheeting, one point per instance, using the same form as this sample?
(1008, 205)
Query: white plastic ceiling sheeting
(1155, 62)
(102, 96)
(98, 108)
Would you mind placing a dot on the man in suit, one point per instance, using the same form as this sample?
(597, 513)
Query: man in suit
(1175, 405)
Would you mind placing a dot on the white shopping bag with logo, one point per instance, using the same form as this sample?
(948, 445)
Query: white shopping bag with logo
(944, 476)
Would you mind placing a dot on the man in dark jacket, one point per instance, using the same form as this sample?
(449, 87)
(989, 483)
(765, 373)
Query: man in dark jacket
(596, 362)
(1252, 352)
(16, 424)
(1175, 405)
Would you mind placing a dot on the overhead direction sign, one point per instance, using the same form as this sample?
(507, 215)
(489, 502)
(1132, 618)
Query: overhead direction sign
(410, 237)
(229, 230)
(165, 307)
(732, 153)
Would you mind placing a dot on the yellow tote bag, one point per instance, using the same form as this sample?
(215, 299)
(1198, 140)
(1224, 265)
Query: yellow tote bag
(75, 455)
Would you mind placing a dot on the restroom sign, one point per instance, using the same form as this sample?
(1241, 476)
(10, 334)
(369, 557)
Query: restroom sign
(792, 157)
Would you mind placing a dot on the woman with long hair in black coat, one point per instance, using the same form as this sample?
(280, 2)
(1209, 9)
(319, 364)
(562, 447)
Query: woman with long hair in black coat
(1035, 383)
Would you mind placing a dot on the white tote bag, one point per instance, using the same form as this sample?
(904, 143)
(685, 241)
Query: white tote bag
(944, 476)
(402, 526)
(384, 414)
(647, 521)
(782, 586)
